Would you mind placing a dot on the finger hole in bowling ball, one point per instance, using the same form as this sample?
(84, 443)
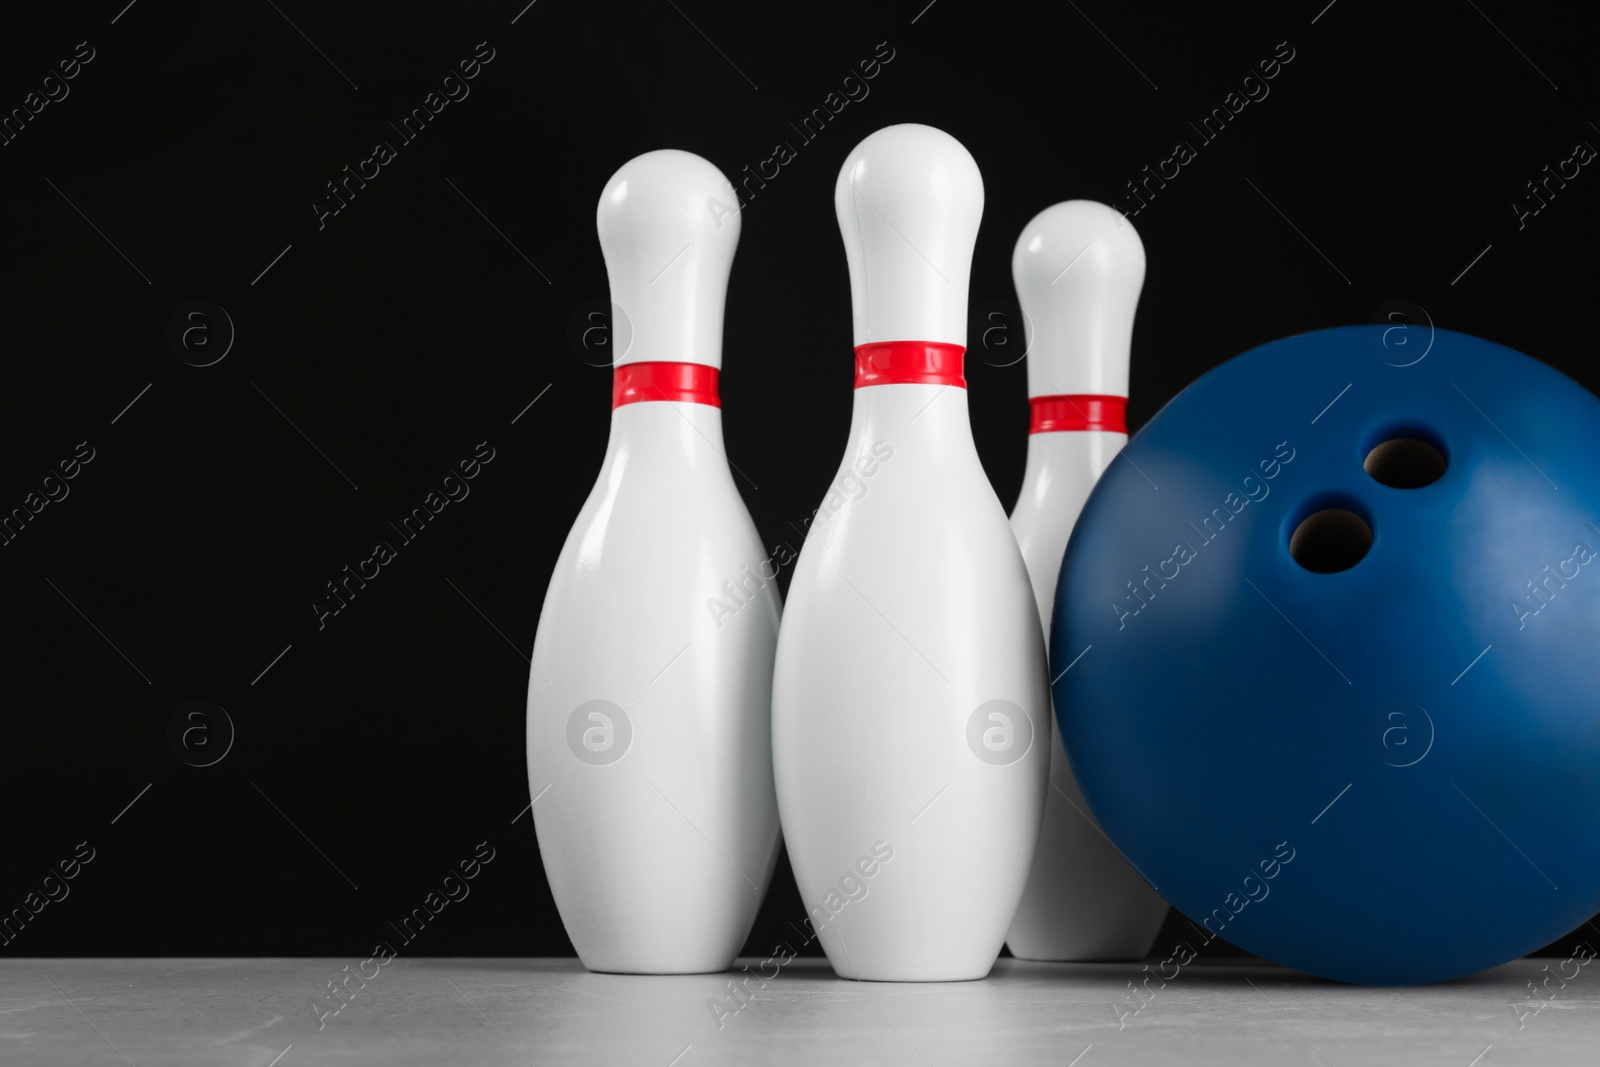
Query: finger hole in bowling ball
(1330, 540)
(1405, 463)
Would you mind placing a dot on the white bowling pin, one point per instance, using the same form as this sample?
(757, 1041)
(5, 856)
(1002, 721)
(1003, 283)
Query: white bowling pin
(910, 707)
(649, 729)
(1078, 268)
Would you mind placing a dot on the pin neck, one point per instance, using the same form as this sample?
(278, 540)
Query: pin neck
(909, 362)
(686, 383)
(1078, 411)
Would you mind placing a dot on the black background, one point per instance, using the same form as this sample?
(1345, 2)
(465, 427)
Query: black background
(430, 312)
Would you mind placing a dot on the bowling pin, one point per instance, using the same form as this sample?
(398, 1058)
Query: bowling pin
(649, 722)
(910, 708)
(1078, 269)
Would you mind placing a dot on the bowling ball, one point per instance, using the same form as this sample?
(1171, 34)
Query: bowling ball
(1326, 650)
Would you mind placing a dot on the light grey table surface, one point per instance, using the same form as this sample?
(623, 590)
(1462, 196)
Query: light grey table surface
(261, 1012)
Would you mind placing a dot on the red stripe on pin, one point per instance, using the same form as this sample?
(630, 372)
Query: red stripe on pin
(909, 362)
(686, 383)
(1078, 411)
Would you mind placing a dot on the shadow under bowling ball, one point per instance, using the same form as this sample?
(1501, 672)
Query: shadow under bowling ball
(1338, 701)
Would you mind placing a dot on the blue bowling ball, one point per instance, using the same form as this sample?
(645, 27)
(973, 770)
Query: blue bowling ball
(1327, 654)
